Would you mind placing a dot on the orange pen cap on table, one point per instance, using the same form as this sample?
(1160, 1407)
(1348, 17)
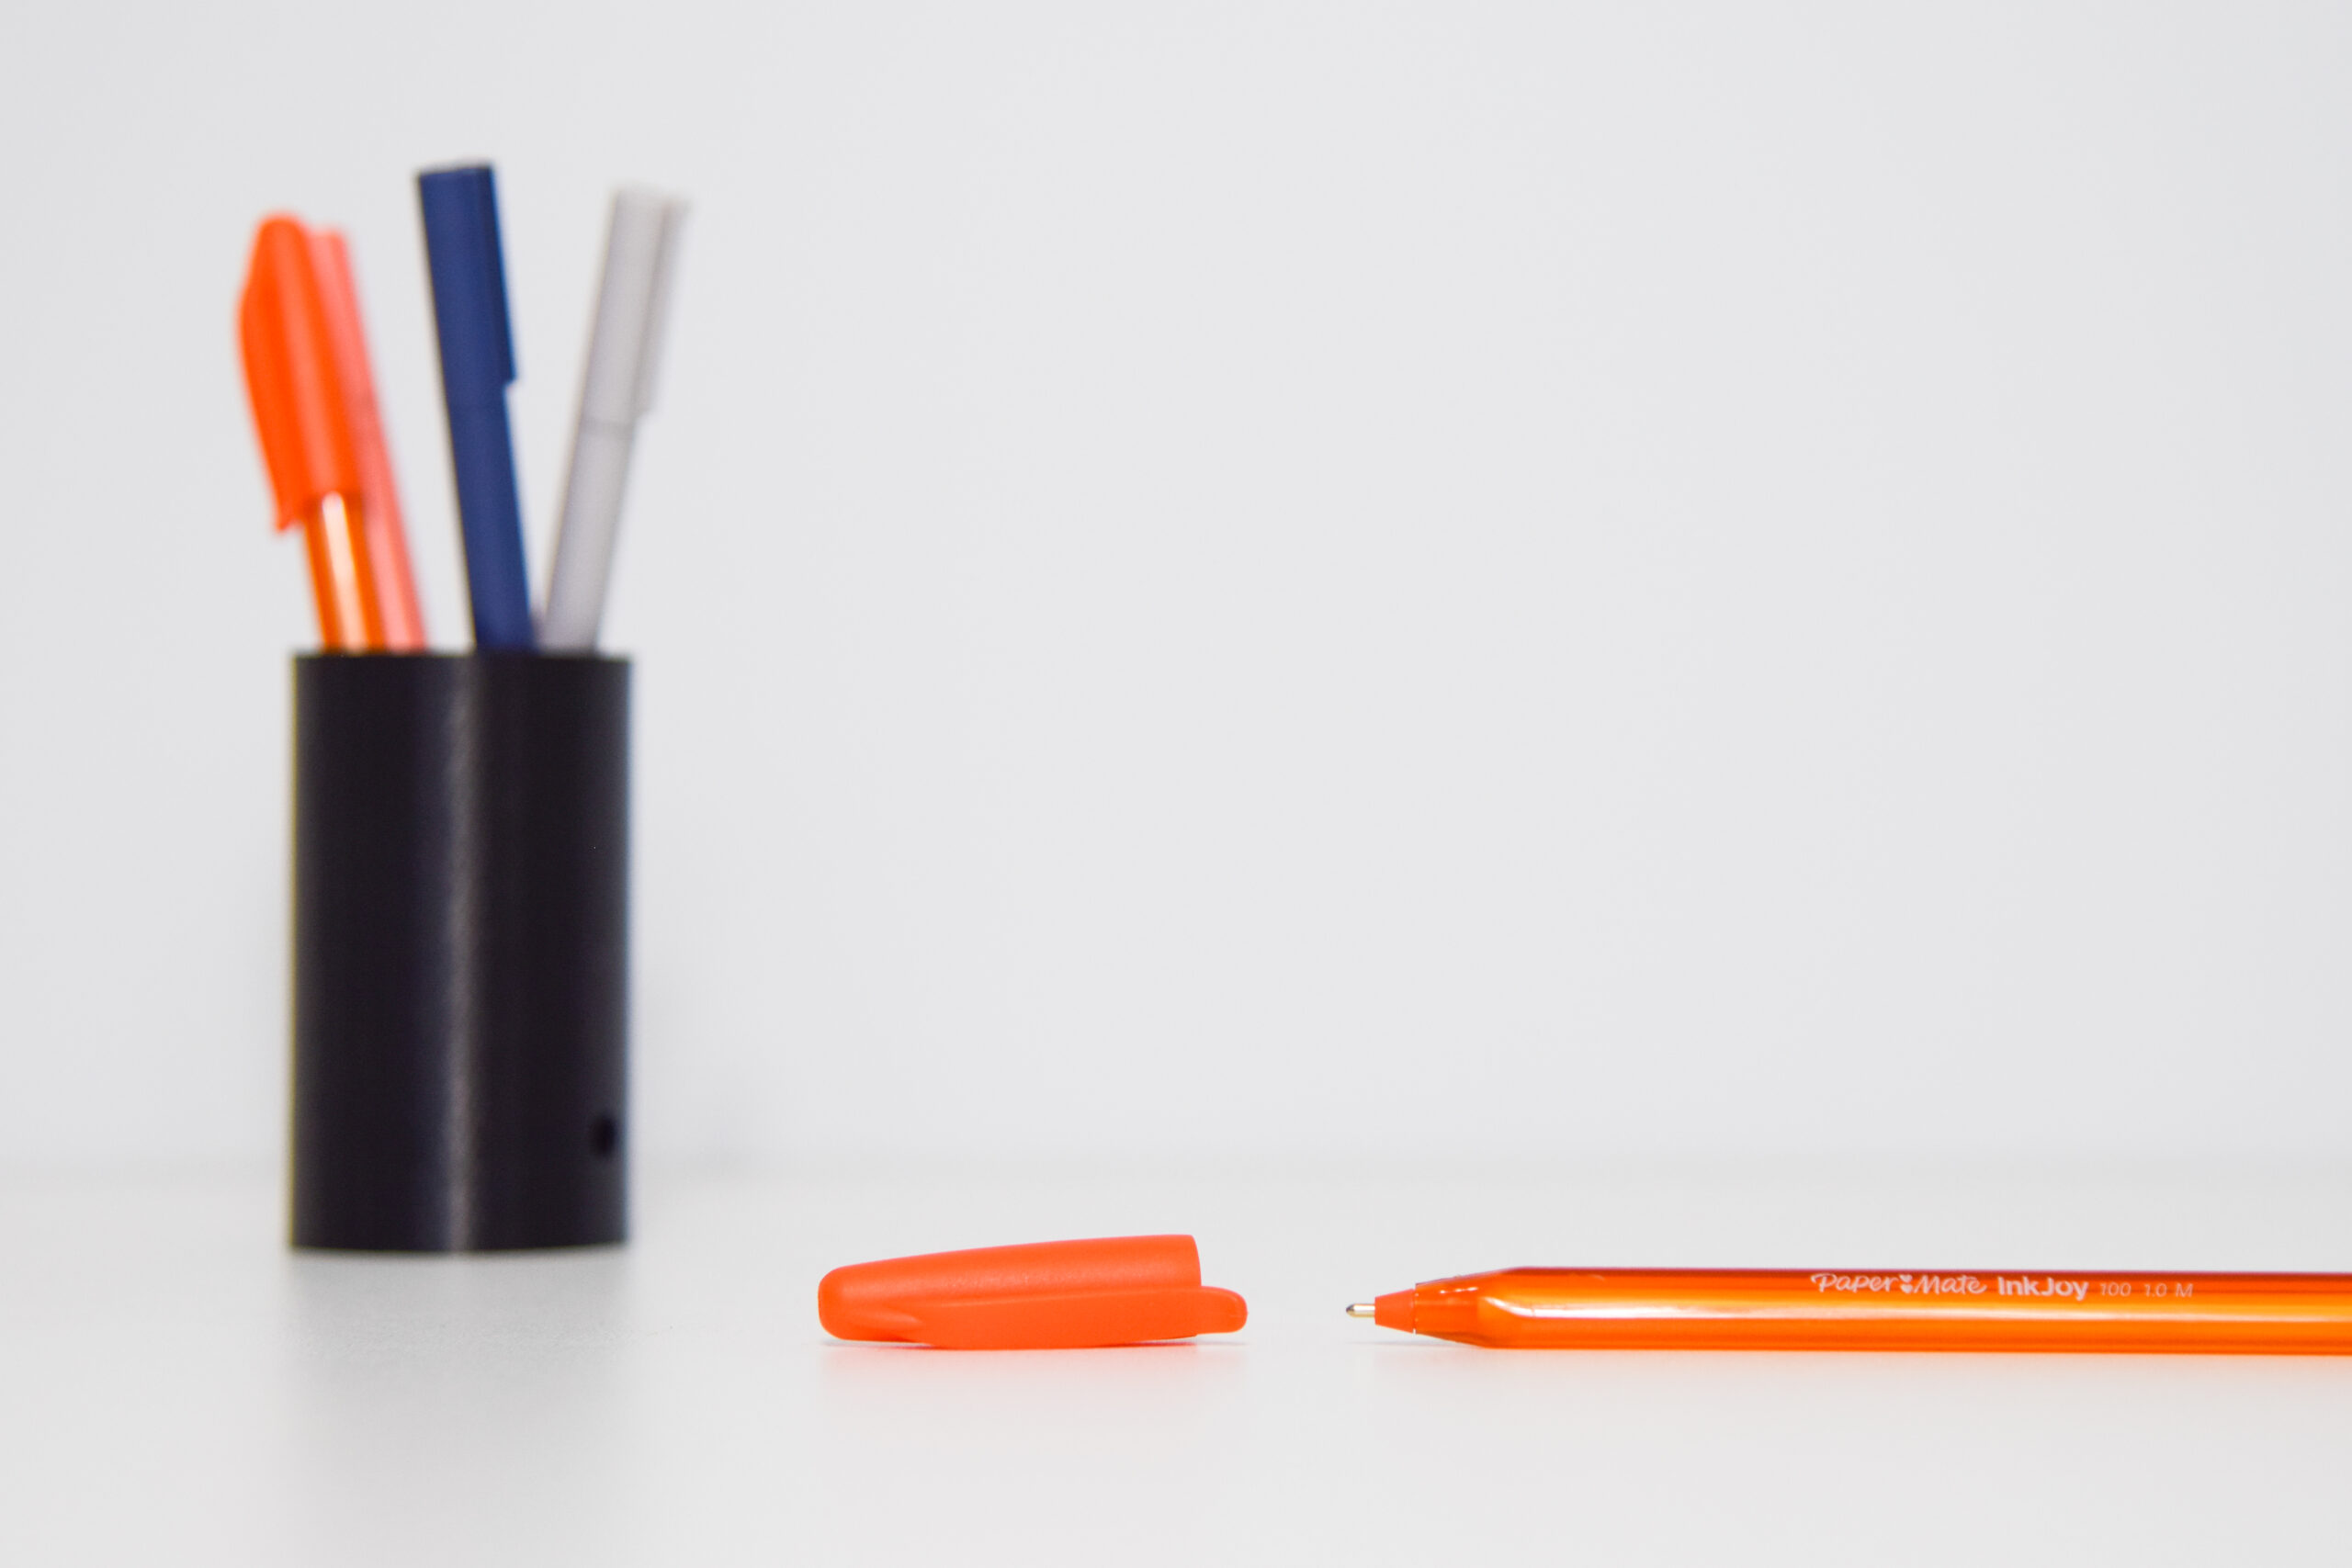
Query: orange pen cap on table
(301, 413)
(1125, 1290)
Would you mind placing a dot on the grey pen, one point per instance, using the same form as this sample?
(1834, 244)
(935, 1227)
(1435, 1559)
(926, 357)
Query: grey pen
(616, 391)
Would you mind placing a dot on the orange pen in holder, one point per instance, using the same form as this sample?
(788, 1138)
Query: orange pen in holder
(381, 501)
(1831, 1309)
(300, 411)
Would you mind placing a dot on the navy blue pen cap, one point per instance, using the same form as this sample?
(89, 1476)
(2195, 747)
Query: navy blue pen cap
(468, 268)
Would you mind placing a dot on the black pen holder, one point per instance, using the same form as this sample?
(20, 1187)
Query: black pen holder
(460, 951)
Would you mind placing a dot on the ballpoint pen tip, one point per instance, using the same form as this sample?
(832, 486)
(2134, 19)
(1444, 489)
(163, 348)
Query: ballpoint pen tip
(1360, 1309)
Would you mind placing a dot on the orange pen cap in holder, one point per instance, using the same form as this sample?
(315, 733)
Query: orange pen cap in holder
(1125, 1290)
(300, 413)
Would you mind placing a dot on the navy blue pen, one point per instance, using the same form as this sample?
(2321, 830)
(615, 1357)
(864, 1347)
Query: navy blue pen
(477, 362)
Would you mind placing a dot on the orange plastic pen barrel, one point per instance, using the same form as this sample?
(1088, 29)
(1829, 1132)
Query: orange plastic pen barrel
(299, 408)
(381, 522)
(1770, 1309)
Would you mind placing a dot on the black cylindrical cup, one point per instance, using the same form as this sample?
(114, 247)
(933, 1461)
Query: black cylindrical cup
(460, 951)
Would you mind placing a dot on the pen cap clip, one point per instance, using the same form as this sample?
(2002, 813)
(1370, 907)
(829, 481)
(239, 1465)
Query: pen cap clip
(632, 306)
(469, 265)
(291, 374)
(1047, 1295)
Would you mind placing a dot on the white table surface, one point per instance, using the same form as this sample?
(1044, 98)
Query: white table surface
(176, 1387)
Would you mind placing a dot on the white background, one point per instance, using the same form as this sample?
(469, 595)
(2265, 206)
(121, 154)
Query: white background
(1265, 580)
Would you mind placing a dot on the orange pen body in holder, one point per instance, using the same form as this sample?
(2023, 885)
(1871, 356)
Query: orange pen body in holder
(1763, 1309)
(313, 403)
(386, 539)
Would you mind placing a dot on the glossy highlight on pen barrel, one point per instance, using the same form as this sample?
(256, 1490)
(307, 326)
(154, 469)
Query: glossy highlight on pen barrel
(350, 619)
(2018, 1310)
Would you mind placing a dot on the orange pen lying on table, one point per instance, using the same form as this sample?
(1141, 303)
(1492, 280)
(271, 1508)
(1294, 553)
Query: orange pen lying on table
(1806, 1309)
(306, 371)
